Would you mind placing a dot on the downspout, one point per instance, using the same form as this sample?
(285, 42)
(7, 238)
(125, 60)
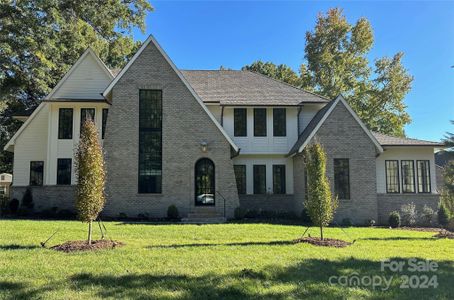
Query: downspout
(300, 108)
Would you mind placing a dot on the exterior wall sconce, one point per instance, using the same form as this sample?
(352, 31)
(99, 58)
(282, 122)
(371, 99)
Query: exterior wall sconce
(204, 147)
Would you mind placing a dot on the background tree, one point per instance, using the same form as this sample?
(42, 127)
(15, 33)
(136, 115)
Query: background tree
(320, 204)
(91, 176)
(41, 39)
(447, 195)
(336, 63)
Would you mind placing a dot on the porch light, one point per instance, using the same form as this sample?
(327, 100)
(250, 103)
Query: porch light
(204, 146)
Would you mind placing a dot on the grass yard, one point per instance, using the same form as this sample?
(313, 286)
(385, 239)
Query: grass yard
(230, 261)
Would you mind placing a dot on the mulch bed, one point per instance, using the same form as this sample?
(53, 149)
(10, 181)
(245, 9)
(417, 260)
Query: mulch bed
(445, 235)
(73, 246)
(424, 229)
(325, 242)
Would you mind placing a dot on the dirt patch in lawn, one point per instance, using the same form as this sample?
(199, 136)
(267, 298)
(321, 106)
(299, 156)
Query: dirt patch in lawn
(73, 246)
(325, 242)
(445, 235)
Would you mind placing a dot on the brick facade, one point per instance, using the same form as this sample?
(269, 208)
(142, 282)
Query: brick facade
(276, 203)
(390, 202)
(342, 137)
(184, 126)
(48, 196)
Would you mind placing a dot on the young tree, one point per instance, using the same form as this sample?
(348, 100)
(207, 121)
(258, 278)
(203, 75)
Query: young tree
(91, 176)
(320, 204)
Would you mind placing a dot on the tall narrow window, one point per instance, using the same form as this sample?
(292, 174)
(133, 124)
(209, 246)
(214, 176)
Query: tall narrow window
(86, 114)
(279, 179)
(259, 121)
(36, 173)
(150, 141)
(240, 122)
(240, 175)
(423, 176)
(279, 122)
(342, 178)
(64, 171)
(408, 176)
(105, 111)
(392, 176)
(259, 179)
(65, 123)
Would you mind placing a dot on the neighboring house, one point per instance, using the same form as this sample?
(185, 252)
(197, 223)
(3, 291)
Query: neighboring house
(5, 183)
(211, 141)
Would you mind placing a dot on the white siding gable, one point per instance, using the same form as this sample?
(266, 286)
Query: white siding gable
(87, 79)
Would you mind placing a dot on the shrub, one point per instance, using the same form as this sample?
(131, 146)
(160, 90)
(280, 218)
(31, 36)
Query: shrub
(394, 219)
(346, 222)
(427, 216)
(408, 214)
(27, 199)
(3, 205)
(239, 213)
(122, 216)
(450, 225)
(50, 213)
(370, 222)
(13, 206)
(443, 216)
(251, 213)
(172, 212)
(305, 216)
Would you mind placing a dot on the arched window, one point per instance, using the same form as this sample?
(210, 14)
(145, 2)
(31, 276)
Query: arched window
(204, 182)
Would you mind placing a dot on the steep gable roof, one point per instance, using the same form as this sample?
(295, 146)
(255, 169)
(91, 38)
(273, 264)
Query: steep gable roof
(151, 39)
(233, 87)
(89, 72)
(316, 122)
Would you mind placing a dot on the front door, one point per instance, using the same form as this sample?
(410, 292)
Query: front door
(204, 182)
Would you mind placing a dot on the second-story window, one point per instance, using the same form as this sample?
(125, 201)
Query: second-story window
(86, 114)
(65, 123)
(279, 122)
(240, 122)
(259, 121)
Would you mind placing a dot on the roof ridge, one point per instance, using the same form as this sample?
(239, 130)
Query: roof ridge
(288, 84)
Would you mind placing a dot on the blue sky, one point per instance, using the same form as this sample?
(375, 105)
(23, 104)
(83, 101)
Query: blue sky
(208, 34)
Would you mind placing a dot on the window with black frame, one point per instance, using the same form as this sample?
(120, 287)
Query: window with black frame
(240, 175)
(279, 122)
(279, 179)
(342, 178)
(105, 111)
(86, 114)
(65, 123)
(150, 141)
(392, 176)
(408, 176)
(240, 122)
(423, 176)
(64, 166)
(259, 121)
(259, 179)
(204, 182)
(36, 173)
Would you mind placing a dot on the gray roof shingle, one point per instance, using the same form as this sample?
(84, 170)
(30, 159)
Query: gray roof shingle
(232, 87)
(387, 140)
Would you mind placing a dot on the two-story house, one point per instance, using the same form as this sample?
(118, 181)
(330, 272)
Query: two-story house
(211, 141)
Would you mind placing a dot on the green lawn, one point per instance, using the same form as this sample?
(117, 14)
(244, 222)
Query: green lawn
(211, 261)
